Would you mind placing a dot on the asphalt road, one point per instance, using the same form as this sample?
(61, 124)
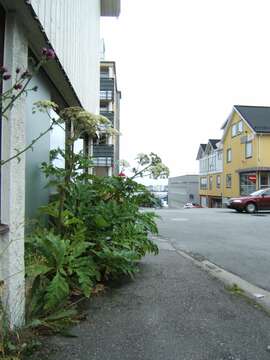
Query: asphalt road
(239, 243)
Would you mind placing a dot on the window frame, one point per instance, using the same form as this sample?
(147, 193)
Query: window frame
(229, 151)
(247, 156)
(218, 183)
(228, 176)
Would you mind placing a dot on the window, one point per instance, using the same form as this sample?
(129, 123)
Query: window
(219, 155)
(218, 181)
(248, 149)
(203, 183)
(228, 180)
(210, 182)
(229, 155)
(240, 127)
(237, 128)
(234, 130)
(104, 73)
(247, 183)
(265, 180)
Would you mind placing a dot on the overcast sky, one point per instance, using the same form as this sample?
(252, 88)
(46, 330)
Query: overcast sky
(181, 66)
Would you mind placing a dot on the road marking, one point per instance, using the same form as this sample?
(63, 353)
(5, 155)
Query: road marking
(179, 219)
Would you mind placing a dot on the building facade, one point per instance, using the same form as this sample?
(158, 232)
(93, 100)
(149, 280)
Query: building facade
(71, 80)
(210, 158)
(245, 148)
(106, 149)
(183, 189)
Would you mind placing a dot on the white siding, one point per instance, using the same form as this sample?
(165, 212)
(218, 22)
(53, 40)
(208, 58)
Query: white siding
(73, 28)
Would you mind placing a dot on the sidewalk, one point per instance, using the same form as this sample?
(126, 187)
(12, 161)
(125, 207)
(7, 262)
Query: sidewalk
(171, 311)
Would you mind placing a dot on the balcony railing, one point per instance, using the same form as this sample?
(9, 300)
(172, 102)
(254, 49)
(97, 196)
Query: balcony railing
(105, 150)
(106, 84)
(109, 115)
(103, 161)
(106, 95)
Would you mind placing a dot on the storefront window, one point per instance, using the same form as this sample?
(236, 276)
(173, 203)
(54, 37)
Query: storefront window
(265, 180)
(247, 183)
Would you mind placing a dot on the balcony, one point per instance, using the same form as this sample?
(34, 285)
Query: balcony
(109, 115)
(103, 155)
(107, 84)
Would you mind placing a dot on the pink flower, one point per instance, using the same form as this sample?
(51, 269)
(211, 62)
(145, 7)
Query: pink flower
(18, 86)
(121, 174)
(49, 54)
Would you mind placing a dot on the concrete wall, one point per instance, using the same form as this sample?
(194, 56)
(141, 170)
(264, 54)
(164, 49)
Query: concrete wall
(13, 181)
(73, 29)
(180, 188)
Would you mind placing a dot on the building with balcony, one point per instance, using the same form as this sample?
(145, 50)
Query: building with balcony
(243, 152)
(210, 169)
(72, 29)
(106, 148)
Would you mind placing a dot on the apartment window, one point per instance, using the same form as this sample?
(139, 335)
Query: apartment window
(228, 180)
(240, 127)
(218, 181)
(210, 182)
(203, 183)
(237, 128)
(234, 130)
(219, 155)
(229, 155)
(248, 149)
(104, 73)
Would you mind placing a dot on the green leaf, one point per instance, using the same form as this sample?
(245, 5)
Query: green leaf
(57, 292)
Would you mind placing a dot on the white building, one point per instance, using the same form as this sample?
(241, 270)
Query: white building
(72, 29)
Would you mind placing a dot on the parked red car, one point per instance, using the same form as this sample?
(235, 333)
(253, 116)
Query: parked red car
(258, 200)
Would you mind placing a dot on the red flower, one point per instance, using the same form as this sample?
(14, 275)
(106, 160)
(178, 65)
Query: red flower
(122, 174)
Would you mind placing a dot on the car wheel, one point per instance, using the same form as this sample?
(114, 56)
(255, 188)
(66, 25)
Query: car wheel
(251, 208)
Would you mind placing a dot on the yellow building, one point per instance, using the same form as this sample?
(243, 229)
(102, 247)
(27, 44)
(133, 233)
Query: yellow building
(245, 153)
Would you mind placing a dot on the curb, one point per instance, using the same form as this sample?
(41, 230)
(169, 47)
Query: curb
(258, 295)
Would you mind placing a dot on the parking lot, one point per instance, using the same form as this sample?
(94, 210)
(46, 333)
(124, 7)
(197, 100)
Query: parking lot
(238, 242)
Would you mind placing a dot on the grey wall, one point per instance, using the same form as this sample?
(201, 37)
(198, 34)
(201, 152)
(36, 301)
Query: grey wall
(73, 28)
(180, 188)
(36, 194)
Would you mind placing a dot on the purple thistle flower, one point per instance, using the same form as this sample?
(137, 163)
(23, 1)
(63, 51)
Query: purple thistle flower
(18, 86)
(49, 54)
(6, 77)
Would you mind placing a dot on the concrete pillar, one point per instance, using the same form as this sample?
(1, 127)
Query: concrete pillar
(13, 181)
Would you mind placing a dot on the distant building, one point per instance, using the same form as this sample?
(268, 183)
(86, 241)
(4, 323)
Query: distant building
(106, 149)
(238, 163)
(183, 189)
